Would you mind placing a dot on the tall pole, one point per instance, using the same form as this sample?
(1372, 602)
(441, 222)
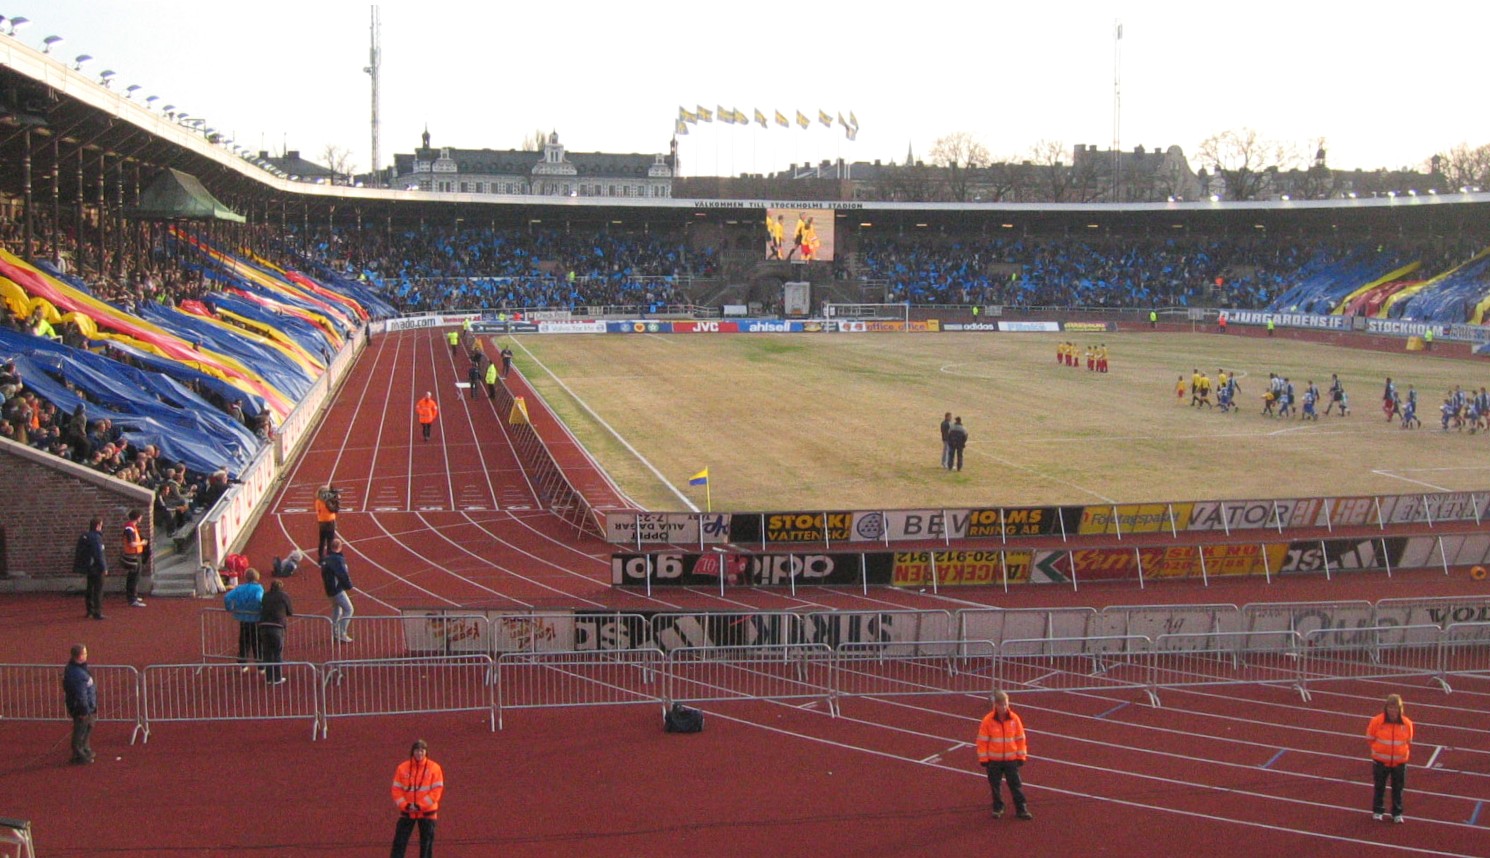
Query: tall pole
(375, 65)
(1117, 110)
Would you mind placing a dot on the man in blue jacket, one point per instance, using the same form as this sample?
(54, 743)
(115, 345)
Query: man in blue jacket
(82, 703)
(338, 582)
(88, 561)
(246, 603)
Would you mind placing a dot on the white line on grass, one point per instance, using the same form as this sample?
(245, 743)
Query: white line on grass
(614, 434)
(1382, 473)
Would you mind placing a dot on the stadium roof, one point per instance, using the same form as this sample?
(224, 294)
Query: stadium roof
(48, 107)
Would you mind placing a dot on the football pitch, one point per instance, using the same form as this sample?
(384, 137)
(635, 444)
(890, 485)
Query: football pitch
(850, 421)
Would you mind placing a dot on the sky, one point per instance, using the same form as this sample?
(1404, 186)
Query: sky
(1381, 91)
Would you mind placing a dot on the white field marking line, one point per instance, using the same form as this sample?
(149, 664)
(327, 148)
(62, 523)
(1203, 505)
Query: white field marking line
(1026, 468)
(445, 435)
(1366, 701)
(562, 668)
(397, 575)
(1418, 706)
(520, 519)
(361, 594)
(1169, 754)
(544, 561)
(574, 439)
(1170, 779)
(1437, 749)
(1077, 794)
(1343, 737)
(315, 436)
(1206, 760)
(1294, 708)
(414, 426)
(372, 464)
(501, 568)
(614, 434)
(1393, 476)
(491, 489)
(1298, 428)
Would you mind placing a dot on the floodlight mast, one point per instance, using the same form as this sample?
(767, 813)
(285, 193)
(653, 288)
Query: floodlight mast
(375, 65)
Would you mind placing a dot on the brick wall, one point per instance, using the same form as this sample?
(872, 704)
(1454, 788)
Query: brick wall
(45, 504)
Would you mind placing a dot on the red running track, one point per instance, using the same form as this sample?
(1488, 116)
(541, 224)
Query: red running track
(453, 522)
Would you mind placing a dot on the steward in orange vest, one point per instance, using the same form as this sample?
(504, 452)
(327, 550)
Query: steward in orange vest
(1002, 750)
(427, 410)
(417, 786)
(1390, 734)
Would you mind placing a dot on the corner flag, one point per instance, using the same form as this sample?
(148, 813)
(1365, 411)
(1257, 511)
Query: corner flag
(702, 479)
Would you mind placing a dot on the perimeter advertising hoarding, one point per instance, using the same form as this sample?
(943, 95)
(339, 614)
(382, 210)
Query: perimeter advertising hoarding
(792, 528)
(950, 568)
(738, 570)
(1245, 514)
(609, 631)
(664, 528)
(798, 235)
(639, 327)
(1172, 562)
(1127, 518)
(1088, 327)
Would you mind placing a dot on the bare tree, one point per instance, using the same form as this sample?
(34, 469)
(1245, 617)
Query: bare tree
(911, 183)
(1053, 178)
(958, 154)
(339, 162)
(534, 142)
(1244, 159)
(1464, 167)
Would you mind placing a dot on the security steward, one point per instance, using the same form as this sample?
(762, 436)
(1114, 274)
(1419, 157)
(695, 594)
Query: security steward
(1002, 750)
(417, 786)
(328, 504)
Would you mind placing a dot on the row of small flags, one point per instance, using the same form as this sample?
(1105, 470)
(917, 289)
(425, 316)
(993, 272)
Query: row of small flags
(731, 116)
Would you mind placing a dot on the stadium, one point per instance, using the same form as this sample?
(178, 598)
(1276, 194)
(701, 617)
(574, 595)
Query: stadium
(709, 477)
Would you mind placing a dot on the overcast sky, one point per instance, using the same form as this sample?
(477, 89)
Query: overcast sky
(1381, 90)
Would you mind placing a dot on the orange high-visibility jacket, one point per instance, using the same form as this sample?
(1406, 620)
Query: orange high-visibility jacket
(133, 544)
(1390, 743)
(427, 410)
(420, 784)
(323, 512)
(1001, 740)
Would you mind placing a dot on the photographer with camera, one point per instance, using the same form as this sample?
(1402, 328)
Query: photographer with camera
(328, 503)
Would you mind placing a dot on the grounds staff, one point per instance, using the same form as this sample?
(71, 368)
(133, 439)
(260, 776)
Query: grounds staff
(1002, 750)
(1390, 734)
(418, 784)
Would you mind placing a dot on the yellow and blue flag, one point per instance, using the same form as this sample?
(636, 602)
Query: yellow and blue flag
(699, 479)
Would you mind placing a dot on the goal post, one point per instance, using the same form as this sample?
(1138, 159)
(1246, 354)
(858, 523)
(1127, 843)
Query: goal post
(899, 312)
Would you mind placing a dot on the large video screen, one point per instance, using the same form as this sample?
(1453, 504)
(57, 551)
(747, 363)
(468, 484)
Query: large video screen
(799, 235)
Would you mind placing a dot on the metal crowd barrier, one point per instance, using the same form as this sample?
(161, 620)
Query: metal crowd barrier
(904, 669)
(1102, 663)
(792, 672)
(1376, 652)
(542, 680)
(407, 686)
(33, 692)
(308, 637)
(228, 692)
(999, 624)
(1199, 659)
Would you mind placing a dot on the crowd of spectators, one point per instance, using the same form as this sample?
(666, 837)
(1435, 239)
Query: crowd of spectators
(1235, 273)
(98, 444)
(433, 268)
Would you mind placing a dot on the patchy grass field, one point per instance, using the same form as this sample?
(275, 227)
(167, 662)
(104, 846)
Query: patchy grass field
(849, 421)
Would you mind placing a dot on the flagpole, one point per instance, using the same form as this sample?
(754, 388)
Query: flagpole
(709, 495)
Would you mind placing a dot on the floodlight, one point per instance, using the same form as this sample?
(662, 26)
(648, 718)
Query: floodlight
(48, 42)
(129, 91)
(77, 61)
(106, 77)
(14, 25)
